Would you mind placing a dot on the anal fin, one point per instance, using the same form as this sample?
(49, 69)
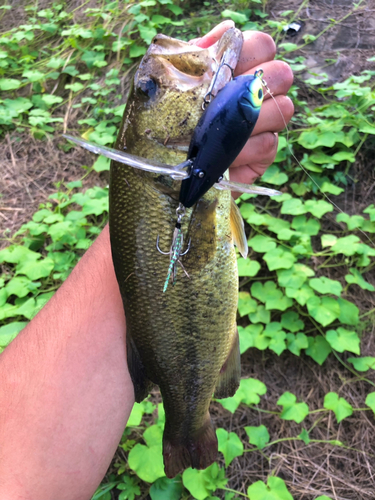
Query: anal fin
(142, 385)
(238, 229)
(230, 373)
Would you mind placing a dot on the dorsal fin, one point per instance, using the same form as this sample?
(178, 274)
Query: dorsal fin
(238, 229)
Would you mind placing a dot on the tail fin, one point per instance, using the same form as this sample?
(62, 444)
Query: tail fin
(197, 450)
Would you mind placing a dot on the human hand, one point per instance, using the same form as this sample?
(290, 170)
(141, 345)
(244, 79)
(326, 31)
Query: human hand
(258, 51)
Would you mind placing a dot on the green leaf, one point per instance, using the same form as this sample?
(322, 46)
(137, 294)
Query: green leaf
(277, 337)
(323, 497)
(274, 490)
(323, 309)
(246, 338)
(291, 409)
(130, 488)
(318, 207)
(349, 312)
(247, 267)
(10, 331)
(273, 176)
(325, 285)
(310, 226)
(370, 401)
(9, 84)
(301, 295)
(166, 489)
(343, 340)
(296, 342)
(147, 460)
(288, 47)
(271, 295)
(249, 391)
(75, 87)
(20, 286)
(33, 75)
(294, 277)
(246, 304)
(348, 245)
(136, 51)
(50, 100)
(201, 483)
(237, 17)
(147, 33)
(318, 349)
(305, 436)
(258, 436)
(261, 315)
(136, 415)
(328, 187)
(36, 269)
(279, 258)
(363, 364)
(262, 244)
(230, 445)
(293, 207)
(175, 9)
(339, 406)
(101, 164)
(357, 278)
(292, 322)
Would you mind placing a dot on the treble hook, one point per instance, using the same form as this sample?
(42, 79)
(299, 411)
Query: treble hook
(208, 96)
(169, 253)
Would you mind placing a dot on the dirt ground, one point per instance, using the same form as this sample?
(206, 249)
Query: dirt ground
(30, 170)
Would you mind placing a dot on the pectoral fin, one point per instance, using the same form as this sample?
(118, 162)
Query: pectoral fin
(238, 229)
(230, 373)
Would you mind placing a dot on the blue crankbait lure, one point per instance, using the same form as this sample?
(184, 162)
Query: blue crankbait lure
(220, 135)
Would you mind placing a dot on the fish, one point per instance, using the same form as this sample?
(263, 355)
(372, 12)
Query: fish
(184, 340)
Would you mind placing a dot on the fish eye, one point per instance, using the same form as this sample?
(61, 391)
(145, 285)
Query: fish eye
(146, 89)
(260, 94)
(256, 92)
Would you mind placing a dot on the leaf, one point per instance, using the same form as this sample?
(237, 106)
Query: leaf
(277, 337)
(273, 176)
(370, 401)
(348, 245)
(274, 490)
(147, 33)
(325, 285)
(349, 312)
(262, 244)
(318, 207)
(10, 331)
(339, 406)
(310, 226)
(15, 254)
(260, 316)
(291, 409)
(296, 342)
(305, 436)
(237, 17)
(19, 285)
(147, 460)
(101, 164)
(33, 75)
(301, 295)
(363, 364)
(136, 51)
(230, 445)
(246, 338)
(136, 415)
(258, 436)
(36, 269)
(130, 488)
(293, 207)
(75, 87)
(328, 187)
(247, 267)
(343, 340)
(249, 391)
(246, 304)
(9, 84)
(357, 278)
(166, 489)
(294, 277)
(201, 483)
(318, 349)
(323, 309)
(292, 322)
(279, 258)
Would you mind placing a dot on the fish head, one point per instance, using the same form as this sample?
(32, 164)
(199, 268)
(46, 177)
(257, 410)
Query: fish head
(169, 86)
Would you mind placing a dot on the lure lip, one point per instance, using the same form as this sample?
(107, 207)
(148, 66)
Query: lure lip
(177, 172)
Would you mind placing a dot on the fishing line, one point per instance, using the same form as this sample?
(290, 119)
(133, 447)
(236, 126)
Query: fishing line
(259, 74)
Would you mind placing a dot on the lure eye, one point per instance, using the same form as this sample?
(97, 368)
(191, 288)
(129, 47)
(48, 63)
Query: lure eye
(256, 92)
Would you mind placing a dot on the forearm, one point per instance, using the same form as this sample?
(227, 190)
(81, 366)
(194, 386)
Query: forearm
(65, 390)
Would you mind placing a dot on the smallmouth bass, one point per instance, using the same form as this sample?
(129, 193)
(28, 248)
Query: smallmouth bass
(184, 340)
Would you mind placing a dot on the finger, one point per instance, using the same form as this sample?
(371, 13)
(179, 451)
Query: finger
(274, 116)
(259, 153)
(214, 35)
(258, 48)
(278, 76)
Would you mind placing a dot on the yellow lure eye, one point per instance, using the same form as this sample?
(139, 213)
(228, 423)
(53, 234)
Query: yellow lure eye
(256, 92)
